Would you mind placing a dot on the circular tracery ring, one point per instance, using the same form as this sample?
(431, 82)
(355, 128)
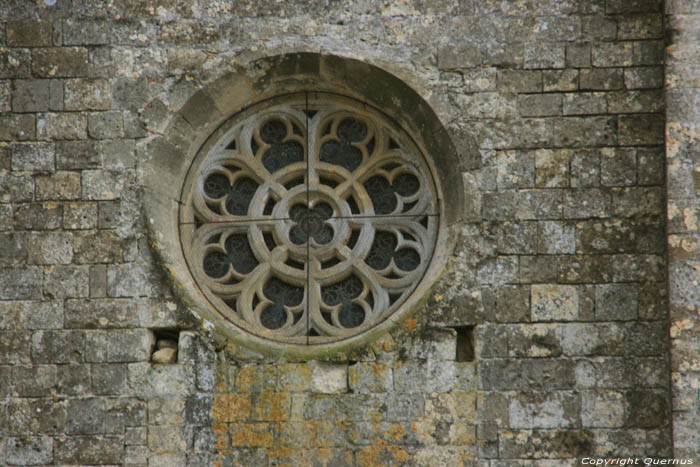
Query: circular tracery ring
(308, 218)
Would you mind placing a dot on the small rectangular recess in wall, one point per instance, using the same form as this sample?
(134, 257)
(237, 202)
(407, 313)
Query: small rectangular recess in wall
(465, 343)
(166, 345)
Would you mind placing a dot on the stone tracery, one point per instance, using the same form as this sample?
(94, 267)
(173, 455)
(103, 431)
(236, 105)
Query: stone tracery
(309, 220)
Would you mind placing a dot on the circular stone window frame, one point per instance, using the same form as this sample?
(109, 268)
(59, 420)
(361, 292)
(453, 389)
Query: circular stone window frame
(168, 157)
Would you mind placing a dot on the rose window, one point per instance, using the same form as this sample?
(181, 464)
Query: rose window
(308, 218)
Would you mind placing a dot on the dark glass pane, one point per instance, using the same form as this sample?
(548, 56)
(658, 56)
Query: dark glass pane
(240, 195)
(281, 155)
(240, 254)
(273, 132)
(343, 291)
(406, 184)
(342, 154)
(352, 130)
(216, 186)
(351, 316)
(282, 293)
(216, 264)
(273, 317)
(384, 249)
(381, 194)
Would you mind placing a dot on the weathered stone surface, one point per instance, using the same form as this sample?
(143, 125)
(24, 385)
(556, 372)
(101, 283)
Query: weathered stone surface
(554, 303)
(87, 94)
(58, 346)
(77, 155)
(62, 126)
(28, 33)
(328, 378)
(30, 95)
(119, 346)
(66, 281)
(89, 449)
(56, 62)
(29, 451)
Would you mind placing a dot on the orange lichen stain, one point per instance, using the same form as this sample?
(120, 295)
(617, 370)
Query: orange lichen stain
(252, 435)
(231, 407)
(396, 431)
(410, 325)
(221, 443)
(382, 455)
(272, 406)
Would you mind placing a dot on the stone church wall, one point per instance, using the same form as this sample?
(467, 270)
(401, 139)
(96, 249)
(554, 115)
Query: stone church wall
(557, 279)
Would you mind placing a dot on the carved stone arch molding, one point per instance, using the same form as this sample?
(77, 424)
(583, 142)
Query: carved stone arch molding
(304, 205)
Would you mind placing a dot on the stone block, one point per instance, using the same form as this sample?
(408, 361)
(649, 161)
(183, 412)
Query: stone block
(104, 184)
(66, 281)
(119, 346)
(578, 55)
(34, 381)
(28, 33)
(15, 188)
(530, 374)
(20, 283)
(587, 202)
(104, 125)
(585, 103)
(29, 451)
(15, 63)
(50, 248)
(73, 155)
(516, 237)
(613, 54)
(498, 271)
(585, 168)
(616, 236)
(15, 348)
(554, 302)
(603, 409)
(271, 407)
(118, 154)
(603, 79)
(650, 163)
(539, 105)
(370, 377)
(59, 186)
(86, 31)
(616, 302)
(56, 94)
(544, 55)
(13, 248)
(58, 346)
(85, 416)
(556, 237)
(329, 378)
(104, 313)
(130, 280)
(515, 169)
(637, 201)
(17, 127)
(491, 341)
(231, 407)
(644, 78)
(108, 379)
(618, 166)
(560, 80)
(584, 131)
(30, 95)
(632, 6)
(60, 62)
(38, 216)
(552, 168)
(80, 216)
(87, 94)
(73, 380)
(62, 126)
(649, 52)
(635, 101)
(647, 409)
(519, 81)
(536, 269)
(5, 99)
(534, 341)
(548, 410)
(30, 314)
(89, 450)
(101, 246)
